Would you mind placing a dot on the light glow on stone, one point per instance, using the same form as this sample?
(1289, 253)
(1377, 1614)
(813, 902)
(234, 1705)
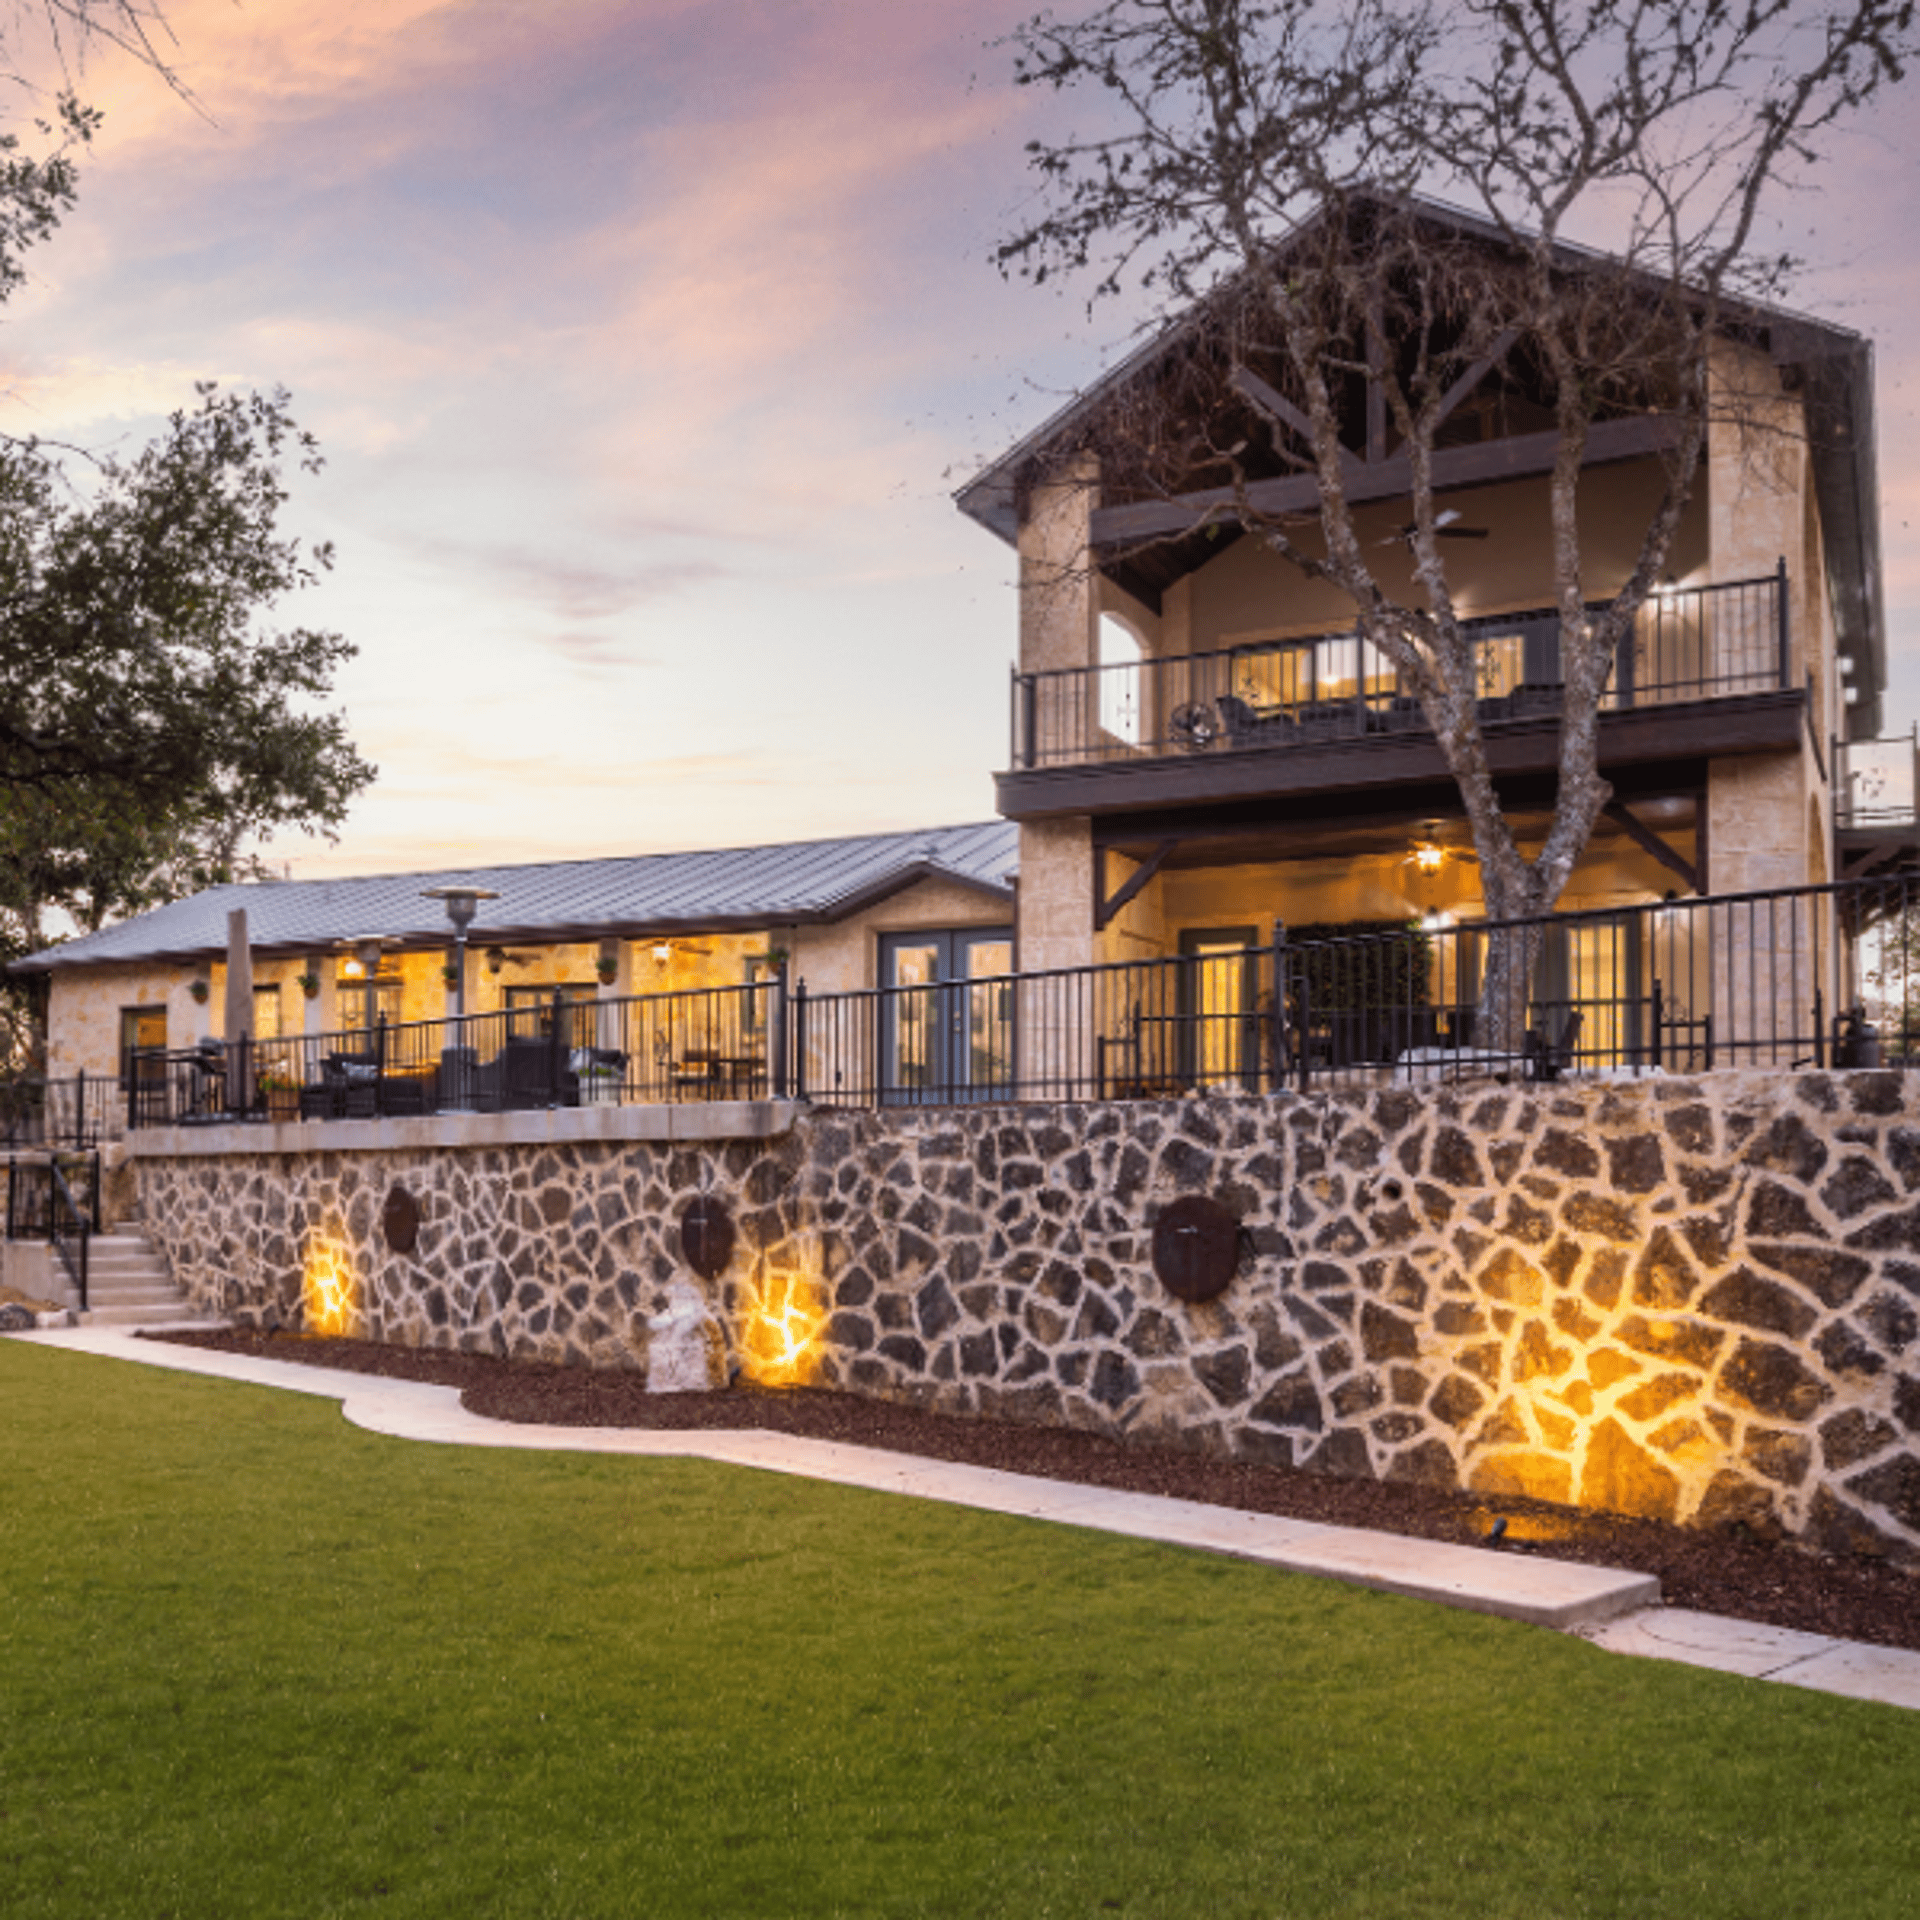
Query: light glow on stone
(327, 1289)
(782, 1339)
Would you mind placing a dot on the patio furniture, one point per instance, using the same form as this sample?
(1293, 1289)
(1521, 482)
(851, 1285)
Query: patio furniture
(1548, 1059)
(347, 1090)
(1246, 728)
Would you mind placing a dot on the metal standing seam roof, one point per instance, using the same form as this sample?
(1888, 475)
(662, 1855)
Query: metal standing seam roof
(799, 883)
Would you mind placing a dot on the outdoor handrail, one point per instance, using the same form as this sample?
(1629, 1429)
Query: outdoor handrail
(1694, 643)
(1754, 977)
(79, 1223)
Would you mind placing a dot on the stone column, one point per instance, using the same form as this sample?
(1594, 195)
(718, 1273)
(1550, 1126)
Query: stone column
(323, 1010)
(607, 1021)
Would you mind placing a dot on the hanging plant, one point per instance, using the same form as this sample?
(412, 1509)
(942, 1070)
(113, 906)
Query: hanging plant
(450, 974)
(200, 989)
(309, 984)
(608, 970)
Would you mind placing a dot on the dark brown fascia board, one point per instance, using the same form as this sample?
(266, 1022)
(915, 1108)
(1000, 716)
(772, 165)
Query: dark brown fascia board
(1487, 464)
(568, 933)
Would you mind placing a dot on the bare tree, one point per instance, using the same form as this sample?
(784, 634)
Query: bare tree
(1284, 164)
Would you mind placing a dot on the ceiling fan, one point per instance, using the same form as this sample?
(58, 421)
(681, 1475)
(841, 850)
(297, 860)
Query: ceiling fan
(1444, 528)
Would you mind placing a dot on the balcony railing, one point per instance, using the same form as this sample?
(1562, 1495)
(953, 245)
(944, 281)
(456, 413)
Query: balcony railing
(1877, 783)
(1706, 643)
(1814, 976)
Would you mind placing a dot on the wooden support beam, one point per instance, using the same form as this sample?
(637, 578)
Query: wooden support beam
(1110, 905)
(1462, 387)
(1277, 406)
(1879, 856)
(1650, 842)
(1517, 457)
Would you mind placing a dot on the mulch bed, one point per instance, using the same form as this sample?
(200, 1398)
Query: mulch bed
(1742, 1578)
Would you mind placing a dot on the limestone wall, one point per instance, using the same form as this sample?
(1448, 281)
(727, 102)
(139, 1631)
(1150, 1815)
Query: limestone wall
(1695, 1299)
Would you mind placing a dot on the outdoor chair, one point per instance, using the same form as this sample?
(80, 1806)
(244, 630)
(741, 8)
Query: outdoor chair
(348, 1089)
(1245, 728)
(1549, 1059)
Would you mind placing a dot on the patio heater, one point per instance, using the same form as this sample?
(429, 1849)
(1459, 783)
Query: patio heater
(460, 1062)
(462, 904)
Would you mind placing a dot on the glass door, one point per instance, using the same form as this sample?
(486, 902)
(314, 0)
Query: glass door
(1592, 967)
(946, 1014)
(1219, 1036)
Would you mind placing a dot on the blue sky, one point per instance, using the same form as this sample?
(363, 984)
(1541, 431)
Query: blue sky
(646, 340)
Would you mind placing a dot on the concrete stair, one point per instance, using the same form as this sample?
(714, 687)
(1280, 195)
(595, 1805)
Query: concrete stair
(127, 1283)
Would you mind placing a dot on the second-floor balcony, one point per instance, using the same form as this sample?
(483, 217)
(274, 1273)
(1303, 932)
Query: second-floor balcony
(1328, 711)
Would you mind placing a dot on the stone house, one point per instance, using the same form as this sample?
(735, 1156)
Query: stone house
(840, 912)
(1201, 745)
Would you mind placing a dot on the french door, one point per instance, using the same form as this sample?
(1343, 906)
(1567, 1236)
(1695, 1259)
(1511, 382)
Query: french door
(1219, 1036)
(946, 1015)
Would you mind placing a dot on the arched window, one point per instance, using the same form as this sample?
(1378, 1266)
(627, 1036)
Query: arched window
(1120, 656)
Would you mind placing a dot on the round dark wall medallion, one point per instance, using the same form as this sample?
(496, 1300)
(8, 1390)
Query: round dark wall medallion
(1196, 1248)
(706, 1236)
(400, 1220)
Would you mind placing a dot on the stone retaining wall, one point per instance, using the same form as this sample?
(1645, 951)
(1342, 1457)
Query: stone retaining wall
(1694, 1299)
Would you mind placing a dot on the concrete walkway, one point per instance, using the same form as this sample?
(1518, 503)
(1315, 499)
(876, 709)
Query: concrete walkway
(1618, 1611)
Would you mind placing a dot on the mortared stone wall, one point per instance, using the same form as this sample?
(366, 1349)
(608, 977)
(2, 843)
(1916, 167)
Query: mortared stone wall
(1696, 1299)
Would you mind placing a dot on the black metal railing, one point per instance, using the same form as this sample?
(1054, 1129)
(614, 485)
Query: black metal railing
(1876, 783)
(78, 1112)
(1812, 976)
(1807, 977)
(56, 1198)
(1704, 643)
(706, 1044)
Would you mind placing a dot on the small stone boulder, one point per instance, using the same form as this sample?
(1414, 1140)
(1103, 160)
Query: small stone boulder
(681, 1342)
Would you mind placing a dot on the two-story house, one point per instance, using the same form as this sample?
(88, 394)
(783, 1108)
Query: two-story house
(1200, 745)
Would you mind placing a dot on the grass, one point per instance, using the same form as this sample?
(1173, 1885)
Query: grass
(255, 1662)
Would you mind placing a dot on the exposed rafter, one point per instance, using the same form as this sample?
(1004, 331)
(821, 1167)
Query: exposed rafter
(1650, 842)
(1277, 406)
(1106, 905)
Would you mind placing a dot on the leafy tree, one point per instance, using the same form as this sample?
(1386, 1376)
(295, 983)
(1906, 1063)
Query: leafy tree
(150, 727)
(1281, 161)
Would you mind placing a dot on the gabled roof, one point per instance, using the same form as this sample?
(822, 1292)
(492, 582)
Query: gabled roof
(798, 883)
(1831, 366)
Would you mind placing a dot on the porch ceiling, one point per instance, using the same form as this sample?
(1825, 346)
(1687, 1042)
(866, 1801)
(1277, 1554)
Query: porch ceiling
(1231, 843)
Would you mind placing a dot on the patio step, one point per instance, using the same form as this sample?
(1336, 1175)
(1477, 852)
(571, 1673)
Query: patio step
(127, 1284)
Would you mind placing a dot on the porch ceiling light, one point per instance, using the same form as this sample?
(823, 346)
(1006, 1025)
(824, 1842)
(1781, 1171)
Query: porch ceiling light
(663, 951)
(364, 954)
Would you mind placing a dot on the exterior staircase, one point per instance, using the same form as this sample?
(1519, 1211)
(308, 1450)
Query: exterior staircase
(127, 1283)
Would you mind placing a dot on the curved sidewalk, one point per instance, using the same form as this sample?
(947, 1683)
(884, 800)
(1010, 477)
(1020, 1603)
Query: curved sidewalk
(1616, 1610)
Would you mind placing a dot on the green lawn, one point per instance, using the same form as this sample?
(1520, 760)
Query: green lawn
(255, 1662)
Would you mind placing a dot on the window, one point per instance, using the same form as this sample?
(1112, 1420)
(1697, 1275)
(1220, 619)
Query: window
(140, 1027)
(365, 1002)
(526, 1007)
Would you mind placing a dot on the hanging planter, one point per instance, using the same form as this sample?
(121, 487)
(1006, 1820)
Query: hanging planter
(200, 990)
(450, 974)
(309, 984)
(608, 970)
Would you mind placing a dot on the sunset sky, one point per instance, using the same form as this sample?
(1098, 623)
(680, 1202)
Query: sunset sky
(647, 340)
